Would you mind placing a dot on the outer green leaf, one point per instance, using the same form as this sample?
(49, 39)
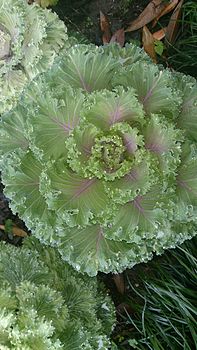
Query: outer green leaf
(88, 250)
(25, 177)
(153, 87)
(85, 68)
(13, 132)
(54, 121)
(187, 117)
(159, 137)
(187, 183)
(126, 55)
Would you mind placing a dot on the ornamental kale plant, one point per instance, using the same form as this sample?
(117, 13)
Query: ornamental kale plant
(100, 158)
(30, 38)
(45, 304)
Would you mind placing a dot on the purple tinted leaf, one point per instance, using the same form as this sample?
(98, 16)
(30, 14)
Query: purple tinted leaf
(110, 109)
(130, 143)
(187, 183)
(83, 186)
(158, 138)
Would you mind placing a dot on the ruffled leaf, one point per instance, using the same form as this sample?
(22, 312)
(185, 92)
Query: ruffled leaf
(13, 132)
(54, 121)
(159, 137)
(187, 183)
(75, 198)
(153, 88)
(22, 185)
(11, 86)
(187, 119)
(79, 147)
(30, 40)
(126, 55)
(85, 68)
(110, 108)
(137, 217)
(137, 180)
(87, 250)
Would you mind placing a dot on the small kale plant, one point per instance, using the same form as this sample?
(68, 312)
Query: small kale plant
(46, 305)
(30, 38)
(100, 158)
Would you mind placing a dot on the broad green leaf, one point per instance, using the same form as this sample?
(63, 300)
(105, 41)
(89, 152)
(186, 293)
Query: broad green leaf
(127, 55)
(153, 88)
(76, 198)
(54, 121)
(127, 187)
(85, 68)
(159, 137)
(187, 183)
(188, 116)
(22, 185)
(137, 217)
(110, 108)
(87, 250)
(11, 86)
(13, 132)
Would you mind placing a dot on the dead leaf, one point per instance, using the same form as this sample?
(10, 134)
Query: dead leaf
(173, 24)
(148, 43)
(160, 34)
(119, 282)
(152, 10)
(105, 28)
(121, 308)
(16, 231)
(169, 7)
(118, 37)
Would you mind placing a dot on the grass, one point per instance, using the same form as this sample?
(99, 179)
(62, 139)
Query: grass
(164, 303)
(182, 56)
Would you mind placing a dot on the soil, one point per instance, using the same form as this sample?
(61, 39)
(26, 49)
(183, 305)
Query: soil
(7, 218)
(82, 16)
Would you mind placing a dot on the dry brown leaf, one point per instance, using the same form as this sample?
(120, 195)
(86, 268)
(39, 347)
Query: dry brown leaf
(119, 282)
(169, 7)
(160, 34)
(118, 37)
(173, 24)
(16, 231)
(105, 28)
(121, 308)
(148, 43)
(152, 10)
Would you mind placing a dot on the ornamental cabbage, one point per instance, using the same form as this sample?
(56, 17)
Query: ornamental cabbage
(100, 158)
(30, 38)
(46, 305)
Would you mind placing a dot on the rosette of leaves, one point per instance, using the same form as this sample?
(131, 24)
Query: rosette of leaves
(30, 38)
(100, 158)
(45, 304)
